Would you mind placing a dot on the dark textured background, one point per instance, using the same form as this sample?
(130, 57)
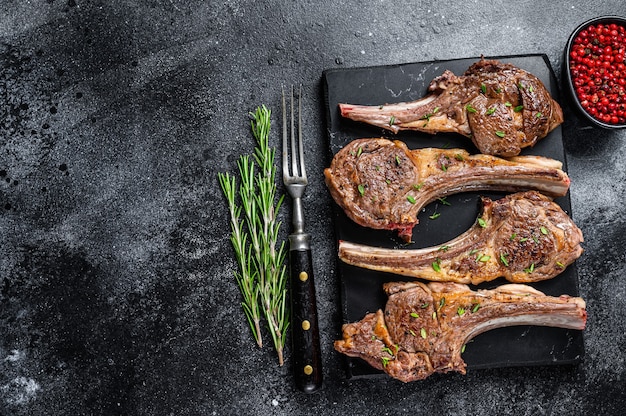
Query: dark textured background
(116, 273)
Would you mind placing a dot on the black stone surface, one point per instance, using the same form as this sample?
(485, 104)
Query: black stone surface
(116, 273)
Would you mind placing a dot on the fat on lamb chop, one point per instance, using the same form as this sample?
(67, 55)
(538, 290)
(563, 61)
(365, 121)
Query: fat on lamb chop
(523, 237)
(502, 108)
(382, 184)
(424, 326)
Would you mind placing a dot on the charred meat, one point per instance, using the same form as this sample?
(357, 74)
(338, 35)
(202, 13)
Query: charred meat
(524, 237)
(425, 326)
(382, 184)
(502, 108)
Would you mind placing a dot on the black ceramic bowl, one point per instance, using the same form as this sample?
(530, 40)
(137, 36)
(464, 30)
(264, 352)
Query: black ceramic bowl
(600, 79)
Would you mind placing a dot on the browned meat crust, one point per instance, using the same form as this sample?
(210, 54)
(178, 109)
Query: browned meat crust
(523, 237)
(425, 326)
(502, 108)
(382, 184)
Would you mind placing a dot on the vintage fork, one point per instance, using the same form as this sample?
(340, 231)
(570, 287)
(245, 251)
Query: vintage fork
(307, 361)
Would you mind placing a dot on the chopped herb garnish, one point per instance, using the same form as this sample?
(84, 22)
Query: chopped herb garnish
(436, 265)
(361, 189)
(518, 108)
(424, 305)
(475, 307)
(483, 88)
(482, 223)
(470, 109)
(358, 152)
(444, 248)
(490, 111)
(460, 311)
(418, 186)
(423, 333)
(508, 104)
(561, 265)
(512, 237)
(414, 315)
(397, 160)
(392, 121)
(500, 133)
(442, 302)
(472, 252)
(539, 114)
(544, 230)
(459, 157)
(503, 259)
(434, 216)
(523, 239)
(535, 239)
(411, 199)
(530, 268)
(427, 116)
(387, 350)
(385, 361)
(411, 332)
(484, 258)
(463, 348)
(443, 201)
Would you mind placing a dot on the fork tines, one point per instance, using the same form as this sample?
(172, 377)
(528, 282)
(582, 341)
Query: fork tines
(298, 170)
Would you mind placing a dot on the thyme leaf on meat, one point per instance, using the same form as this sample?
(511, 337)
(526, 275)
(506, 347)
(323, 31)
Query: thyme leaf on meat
(261, 274)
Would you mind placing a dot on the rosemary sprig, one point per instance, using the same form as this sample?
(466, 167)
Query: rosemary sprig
(245, 275)
(262, 261)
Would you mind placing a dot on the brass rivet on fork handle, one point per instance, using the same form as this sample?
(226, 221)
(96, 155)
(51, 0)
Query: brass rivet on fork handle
(306, 352)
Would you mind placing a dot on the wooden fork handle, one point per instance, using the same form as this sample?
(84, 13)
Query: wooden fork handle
(307, 357)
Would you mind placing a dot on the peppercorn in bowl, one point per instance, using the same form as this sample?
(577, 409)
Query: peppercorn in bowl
(595, 71)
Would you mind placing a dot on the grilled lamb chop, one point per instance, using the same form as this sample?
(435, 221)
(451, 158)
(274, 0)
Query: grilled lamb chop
(382, 184)
(524, 237)
(502, 108)
(424, 326)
